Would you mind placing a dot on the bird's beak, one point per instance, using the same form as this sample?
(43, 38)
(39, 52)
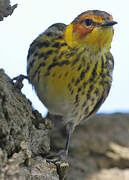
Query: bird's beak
(109, 23)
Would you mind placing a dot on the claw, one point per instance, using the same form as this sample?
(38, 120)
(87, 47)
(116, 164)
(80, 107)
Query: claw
(60, 160)
(60, 157)
(19, 81)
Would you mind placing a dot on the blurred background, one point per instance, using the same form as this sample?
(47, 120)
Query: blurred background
(32, 17)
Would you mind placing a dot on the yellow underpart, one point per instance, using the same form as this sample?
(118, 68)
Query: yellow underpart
(99, 67)
(60, 81)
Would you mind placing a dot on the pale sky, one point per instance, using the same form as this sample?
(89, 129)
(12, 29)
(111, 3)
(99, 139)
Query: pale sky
(32, 17)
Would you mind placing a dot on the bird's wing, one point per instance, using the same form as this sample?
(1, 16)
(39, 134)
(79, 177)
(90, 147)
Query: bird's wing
(55, 31)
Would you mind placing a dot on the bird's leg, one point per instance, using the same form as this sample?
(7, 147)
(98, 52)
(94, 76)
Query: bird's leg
(67, 143)
(64, 153)
(69, 132)
(61, 162)
(18, 81)
(62, 156)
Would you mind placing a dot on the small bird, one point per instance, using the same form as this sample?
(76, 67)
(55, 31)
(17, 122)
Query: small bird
(70, 67)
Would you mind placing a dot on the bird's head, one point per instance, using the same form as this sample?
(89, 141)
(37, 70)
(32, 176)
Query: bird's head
(92, 29)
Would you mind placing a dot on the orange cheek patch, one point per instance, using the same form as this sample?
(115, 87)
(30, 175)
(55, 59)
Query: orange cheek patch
(81, 30)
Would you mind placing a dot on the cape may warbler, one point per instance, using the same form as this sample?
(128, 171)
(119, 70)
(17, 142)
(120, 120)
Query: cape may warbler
(70, 66)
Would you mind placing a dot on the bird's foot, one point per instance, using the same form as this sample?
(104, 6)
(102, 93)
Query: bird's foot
(60, 159)
(18, 81)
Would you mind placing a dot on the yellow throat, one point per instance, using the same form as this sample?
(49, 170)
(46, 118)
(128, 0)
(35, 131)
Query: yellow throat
(98, 39)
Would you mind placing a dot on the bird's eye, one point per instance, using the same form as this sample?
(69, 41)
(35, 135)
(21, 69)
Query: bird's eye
(88, 22)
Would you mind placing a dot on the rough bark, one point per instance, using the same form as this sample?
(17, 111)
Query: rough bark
(24, 137)
(6, 9)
